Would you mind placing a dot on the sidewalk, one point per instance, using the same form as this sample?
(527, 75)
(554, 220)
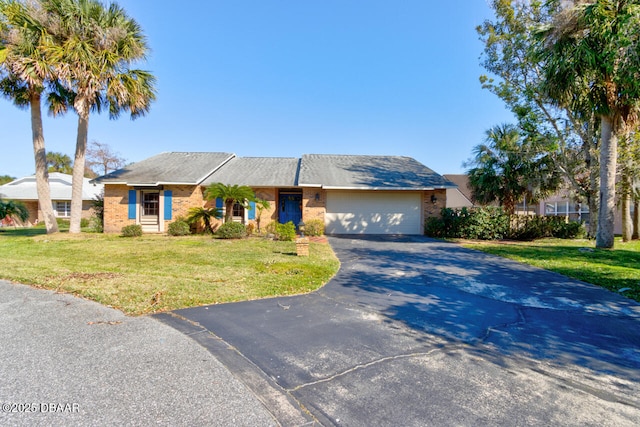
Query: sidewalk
(69, 361)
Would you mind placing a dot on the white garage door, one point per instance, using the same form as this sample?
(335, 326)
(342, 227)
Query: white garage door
(369, 212)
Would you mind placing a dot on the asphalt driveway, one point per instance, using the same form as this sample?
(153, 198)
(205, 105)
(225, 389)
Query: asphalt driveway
(418, 332)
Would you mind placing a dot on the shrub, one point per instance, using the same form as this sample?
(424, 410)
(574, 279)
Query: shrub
(486, 223)
(491, 223)
(569, 230)
(232, 230)
(286, 232)
(179, 228)
(133, 230)
(315, 227)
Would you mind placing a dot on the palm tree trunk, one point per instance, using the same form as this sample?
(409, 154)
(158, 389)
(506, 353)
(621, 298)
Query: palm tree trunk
(40, 155)
(228, 215)
(608, 161)
(636, 220)
(78, 167)
(625, 199)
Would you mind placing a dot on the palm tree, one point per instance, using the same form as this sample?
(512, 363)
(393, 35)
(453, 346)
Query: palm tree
(230, 194)
(59, 162)
(204, 215)
(25, 73)
(592, 51)
(13, 210)
(95, 48)
(507, 169)
(261, 205)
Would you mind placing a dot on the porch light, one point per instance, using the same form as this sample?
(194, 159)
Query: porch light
(301, 228)
(434, 199)
(317, 197)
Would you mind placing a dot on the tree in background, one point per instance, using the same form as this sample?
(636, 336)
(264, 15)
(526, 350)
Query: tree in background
(591, 57)
(516, 76)
(58, 162)
(25, 75)
(102, 160)
(508, 168)
(93, 47)
(5, 179)
(230, 194)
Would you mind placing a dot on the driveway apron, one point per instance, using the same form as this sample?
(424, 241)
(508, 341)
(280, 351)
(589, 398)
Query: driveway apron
(417, 332)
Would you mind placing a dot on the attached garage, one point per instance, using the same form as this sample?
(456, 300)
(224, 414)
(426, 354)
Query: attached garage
(373, 212)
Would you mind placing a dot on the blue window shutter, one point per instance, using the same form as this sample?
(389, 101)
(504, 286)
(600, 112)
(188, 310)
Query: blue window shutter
(132, 204)
(252, 210)
(168, 196)
(219, 203)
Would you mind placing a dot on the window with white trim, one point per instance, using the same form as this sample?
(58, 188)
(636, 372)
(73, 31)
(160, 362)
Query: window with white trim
(62, 208)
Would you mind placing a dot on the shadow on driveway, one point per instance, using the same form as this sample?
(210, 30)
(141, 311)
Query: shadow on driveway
(414, 331)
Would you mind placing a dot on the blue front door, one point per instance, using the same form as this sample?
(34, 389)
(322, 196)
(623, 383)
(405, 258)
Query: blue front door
(290, 208)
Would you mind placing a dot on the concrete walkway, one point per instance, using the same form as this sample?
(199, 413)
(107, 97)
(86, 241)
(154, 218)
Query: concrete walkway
(417, 332)
(72, 362)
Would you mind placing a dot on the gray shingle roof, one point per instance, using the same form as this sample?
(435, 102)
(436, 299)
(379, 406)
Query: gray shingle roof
(312, 170)
(258, 172)
(59, 185)
(368, 172)
(168, 168)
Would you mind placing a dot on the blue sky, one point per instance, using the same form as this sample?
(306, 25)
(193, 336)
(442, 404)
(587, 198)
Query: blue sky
(283, 78)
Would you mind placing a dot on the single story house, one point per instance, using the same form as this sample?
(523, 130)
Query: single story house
(25, 191)
(351, 194)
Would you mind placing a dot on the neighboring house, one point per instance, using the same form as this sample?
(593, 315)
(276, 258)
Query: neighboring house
(24, 190)
(350, 194)
(459, 197)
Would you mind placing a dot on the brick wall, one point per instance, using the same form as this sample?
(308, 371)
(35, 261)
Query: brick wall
(431, 209)
(184, 197)
(312, 207)
(116, 208)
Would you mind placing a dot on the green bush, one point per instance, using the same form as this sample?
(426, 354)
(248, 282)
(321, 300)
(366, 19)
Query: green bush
(84, 222)
(179, 228)
(315, 227)
(492, 223)
(286, 232)
(569, 230)
(231, 230)
(133, 230)
(486, 223)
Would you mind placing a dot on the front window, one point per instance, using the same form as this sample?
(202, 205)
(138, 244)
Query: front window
(238, 211)
(62, 209)
(150, 204)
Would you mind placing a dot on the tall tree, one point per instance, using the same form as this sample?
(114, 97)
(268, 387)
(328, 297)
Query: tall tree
(96, 47)
(591, 51)
(58, 162)
(25, 73)
(102, 160)
(230, 194)
(516, 76)
(507, 168)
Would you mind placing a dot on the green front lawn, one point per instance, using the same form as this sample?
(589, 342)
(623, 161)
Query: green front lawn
(614, 269)
(157, 273)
